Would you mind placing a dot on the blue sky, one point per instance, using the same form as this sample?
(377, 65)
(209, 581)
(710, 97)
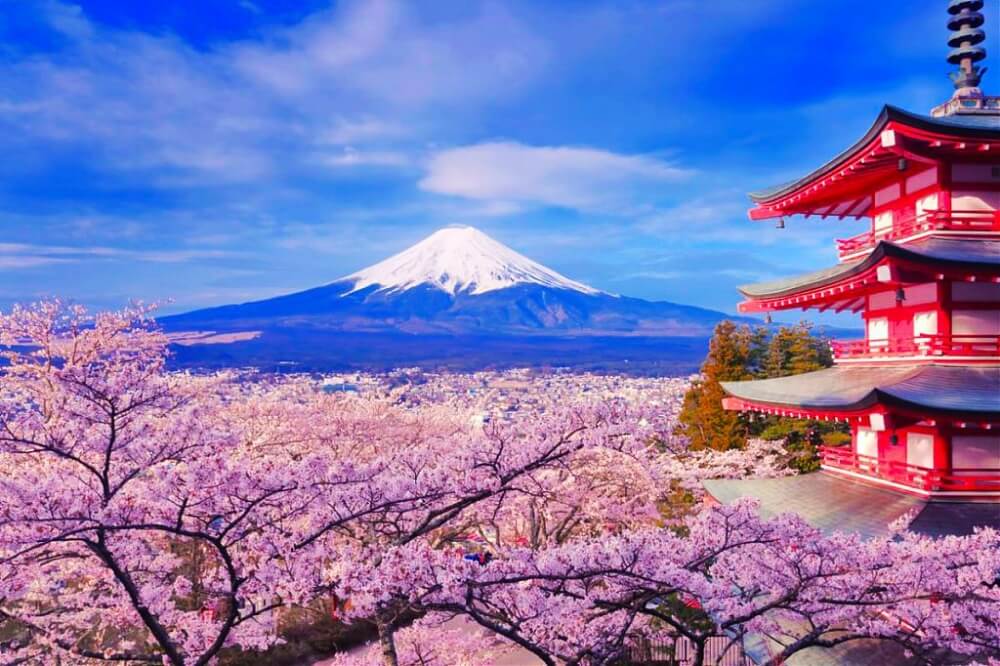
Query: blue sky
(217, 151)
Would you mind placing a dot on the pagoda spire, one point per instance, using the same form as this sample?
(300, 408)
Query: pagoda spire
(966, 35)
(965, 22)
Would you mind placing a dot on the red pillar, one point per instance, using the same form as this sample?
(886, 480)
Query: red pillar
(942, 449)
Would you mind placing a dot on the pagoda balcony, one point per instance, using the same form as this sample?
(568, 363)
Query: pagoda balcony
(970, 221)
(965, 348)
(922, 480)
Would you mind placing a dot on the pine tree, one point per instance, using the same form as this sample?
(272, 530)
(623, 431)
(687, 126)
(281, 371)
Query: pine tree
(793, 350)
(735, 353)
(739, 353)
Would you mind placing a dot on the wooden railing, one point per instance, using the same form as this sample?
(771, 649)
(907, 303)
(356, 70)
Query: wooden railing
(979, 346)
(680, 651)
(959, 220)
(922, 478)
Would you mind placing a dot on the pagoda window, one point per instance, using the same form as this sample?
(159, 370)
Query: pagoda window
(972, 452)
(973, 173)
(925, 324)
(883, 222)
(969, 200)
(926, 204)
(920, 449)
(878, 332)
(969, 323)
(866, 444)
(975, 292)
(918, 294)
(882, 300)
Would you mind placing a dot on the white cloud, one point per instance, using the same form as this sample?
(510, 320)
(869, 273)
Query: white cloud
(348, 131)
(352, 157)
(16, 262)
(653, 275)
(720, 216)
(570, 177)
(707, 214)
(249, 6)
(179, 256)
(381, 49)
(25, 255)
(258, 109)
(380, 76)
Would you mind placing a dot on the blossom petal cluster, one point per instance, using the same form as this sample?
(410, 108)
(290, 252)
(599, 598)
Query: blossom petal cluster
(152, 516)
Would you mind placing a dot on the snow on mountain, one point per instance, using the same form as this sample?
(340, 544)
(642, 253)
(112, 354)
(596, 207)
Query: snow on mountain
(460, 260)
(456, 282)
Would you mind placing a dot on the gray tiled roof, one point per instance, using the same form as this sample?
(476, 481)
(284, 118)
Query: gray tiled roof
(950, 389)
(950, 252)
(861, 652)
(825, 501)
(955, 518)
(833, 503)
(971, 121)
(938, 388)
(971, 126)
(837, 387)
(795, 283)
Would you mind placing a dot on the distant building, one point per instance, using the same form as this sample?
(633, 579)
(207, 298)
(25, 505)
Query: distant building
(336, 386)
(921, 391)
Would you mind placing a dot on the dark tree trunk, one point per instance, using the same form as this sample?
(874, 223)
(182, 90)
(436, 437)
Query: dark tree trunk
(387, 641)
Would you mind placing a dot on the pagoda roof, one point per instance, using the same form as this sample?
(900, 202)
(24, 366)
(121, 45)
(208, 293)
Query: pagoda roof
(971, 126)
(874, 156)
(933, 251)
(959, 391)
(833, 503)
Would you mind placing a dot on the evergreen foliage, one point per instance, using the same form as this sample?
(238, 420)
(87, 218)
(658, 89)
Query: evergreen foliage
(740, 353)
(735, 353)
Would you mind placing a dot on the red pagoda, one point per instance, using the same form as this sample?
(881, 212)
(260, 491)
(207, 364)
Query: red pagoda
(921, 391)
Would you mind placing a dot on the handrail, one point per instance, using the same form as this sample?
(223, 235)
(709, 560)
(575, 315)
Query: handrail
(935, 220)
(966, 479)
(921, 345)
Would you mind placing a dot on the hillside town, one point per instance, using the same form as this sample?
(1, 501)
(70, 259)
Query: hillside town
(505, 394)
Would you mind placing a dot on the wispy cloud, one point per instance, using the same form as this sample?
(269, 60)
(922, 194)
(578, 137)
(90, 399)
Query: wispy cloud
(380, 49)
(349, 131)
(247, 111)
(704, 214)
(13, 262)
(570, 177)
(352, 157)
(25, 255)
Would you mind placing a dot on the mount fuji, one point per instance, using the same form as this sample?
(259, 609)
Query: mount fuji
(457, 281)
(460, 259)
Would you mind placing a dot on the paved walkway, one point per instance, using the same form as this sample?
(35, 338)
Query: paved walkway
(517, 657)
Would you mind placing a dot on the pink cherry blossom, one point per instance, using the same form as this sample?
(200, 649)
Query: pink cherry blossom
(159, 517)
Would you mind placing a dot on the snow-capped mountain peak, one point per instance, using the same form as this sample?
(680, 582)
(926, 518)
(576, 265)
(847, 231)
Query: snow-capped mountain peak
(460, 259)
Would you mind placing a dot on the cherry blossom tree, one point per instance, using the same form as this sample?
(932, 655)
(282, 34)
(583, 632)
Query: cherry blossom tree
(132, 526)
(416, 496)
(435, 640)
(159, 517)
(730, 573)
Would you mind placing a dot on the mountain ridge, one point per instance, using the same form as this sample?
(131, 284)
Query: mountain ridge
(456, 281)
